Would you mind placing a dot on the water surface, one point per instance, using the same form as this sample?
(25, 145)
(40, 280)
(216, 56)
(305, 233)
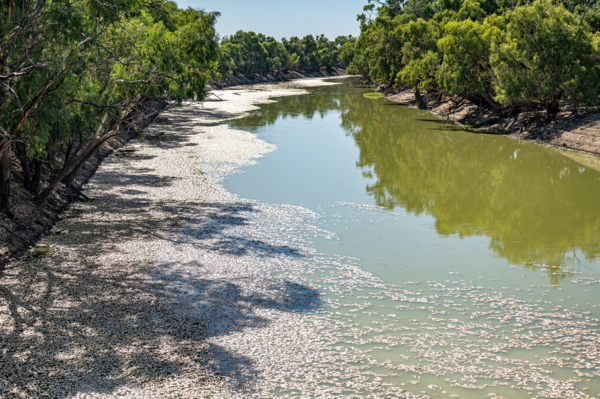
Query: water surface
(477, 225)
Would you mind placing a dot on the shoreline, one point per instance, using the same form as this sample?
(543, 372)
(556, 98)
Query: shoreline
(281, 77)
(166, 284)
(569, 131)
(29, 222)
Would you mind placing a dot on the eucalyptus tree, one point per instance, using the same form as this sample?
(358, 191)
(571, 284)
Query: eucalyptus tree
(310, 61)
(345, 50)
(501, 54)
(378, 51)
(44, 43)
(142, 59)
(420, 58)
(75, 72)
(545, 55)
(465, 69)
(327, 52)
(249, 52)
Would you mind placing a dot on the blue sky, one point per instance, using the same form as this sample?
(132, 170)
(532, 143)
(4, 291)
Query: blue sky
(280, 18)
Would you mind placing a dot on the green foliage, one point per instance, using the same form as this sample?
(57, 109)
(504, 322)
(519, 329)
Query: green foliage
(74, 71)
(544, 55)
(465, 69)
(248, 52)
(419, 57)
(345, 46)
(494, 52)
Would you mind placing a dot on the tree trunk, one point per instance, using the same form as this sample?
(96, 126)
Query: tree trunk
(421, 101)
(35, 179)
(74, 163)
(105, 131)
(552, 108)
(68, 180)
(68, 153)
(5, 147)
(21, 151)
(5, 163)
(490, 100)
(77, 162)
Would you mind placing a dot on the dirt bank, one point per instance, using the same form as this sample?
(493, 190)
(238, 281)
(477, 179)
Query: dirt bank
(28, 221)
(575, 129)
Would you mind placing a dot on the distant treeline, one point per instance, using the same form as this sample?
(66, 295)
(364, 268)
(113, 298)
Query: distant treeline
(501, 54)
(249, 52)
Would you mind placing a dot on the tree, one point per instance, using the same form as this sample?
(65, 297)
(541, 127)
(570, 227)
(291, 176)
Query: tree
(310, 61)
(327, 53)
(345, 47)
(543, 56)
(419, 56)
(75, 72)
(154, 59)
(465, 69)
(502, 54)
(248, 52)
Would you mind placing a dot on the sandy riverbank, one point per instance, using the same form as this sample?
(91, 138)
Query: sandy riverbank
(96, 316)
(259, 78)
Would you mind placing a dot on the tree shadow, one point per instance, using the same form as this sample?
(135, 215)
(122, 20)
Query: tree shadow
(93, 317)
(394, 104)
(137, 177)
(97, 316)
(213, 227)
(129, 215)
(202, 115)
(91, 328)
(454, 128)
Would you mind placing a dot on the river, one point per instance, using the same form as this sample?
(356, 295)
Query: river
(483, 250)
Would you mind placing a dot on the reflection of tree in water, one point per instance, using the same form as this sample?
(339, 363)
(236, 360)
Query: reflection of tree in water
(533, 203)
(318, 102)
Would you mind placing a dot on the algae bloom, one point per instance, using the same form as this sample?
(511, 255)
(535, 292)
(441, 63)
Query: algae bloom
(373, 95)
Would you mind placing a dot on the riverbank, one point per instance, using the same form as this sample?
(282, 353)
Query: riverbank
(163, 284)
(257, 78)
(574, 129)
(28, 221)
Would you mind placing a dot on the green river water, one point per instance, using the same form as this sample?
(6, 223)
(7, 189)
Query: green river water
(499, 238)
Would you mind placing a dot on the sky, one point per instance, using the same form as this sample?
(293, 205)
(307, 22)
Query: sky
(279, 18)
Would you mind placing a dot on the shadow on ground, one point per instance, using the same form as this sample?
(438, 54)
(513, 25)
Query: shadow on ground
(90, 330)
(94, 317)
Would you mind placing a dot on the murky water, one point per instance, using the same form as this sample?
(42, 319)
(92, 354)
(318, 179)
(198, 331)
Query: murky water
(488, 247)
